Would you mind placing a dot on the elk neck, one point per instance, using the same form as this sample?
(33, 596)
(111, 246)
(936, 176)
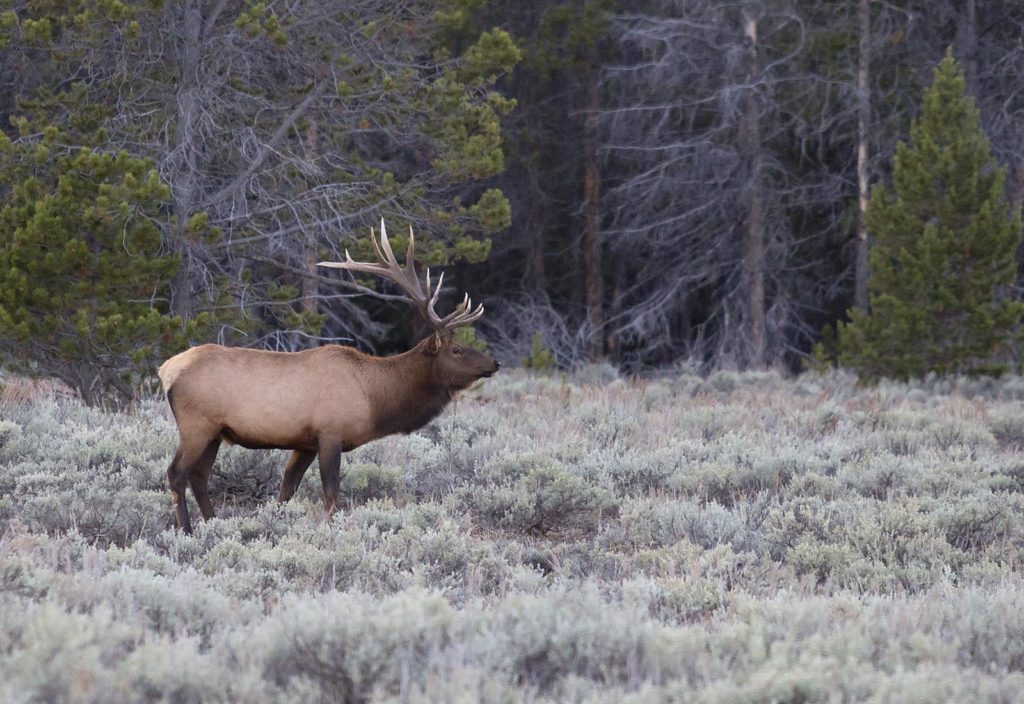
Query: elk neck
(410, 394)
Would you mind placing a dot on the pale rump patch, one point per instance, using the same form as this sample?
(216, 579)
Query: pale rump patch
(172, 368)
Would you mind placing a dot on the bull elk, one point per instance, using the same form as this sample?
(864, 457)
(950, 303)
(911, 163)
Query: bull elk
(320, 402)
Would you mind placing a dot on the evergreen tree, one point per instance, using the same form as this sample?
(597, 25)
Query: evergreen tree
(943, 258)
(284, 131)
(83, 269)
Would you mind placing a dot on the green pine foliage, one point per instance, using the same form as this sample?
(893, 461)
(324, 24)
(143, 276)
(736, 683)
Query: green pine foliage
(467, 337)
(541, 358)
(943, 258)
(83, 269)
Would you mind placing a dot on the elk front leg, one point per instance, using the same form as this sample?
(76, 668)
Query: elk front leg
(199, 478)
(297, 465)
(330, 473)
(178, 480)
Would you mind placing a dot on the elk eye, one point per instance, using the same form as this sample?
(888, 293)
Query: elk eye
(456, 350)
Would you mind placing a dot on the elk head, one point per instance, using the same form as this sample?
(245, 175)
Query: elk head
(455, 364)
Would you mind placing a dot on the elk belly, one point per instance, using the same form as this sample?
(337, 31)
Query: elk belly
(305, 439)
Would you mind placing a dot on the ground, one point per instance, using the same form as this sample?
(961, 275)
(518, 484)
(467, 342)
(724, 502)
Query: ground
(741, 538)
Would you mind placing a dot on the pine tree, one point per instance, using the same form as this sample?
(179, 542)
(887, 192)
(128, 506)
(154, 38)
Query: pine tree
(944, 252)
(83, 269)
(283, 131)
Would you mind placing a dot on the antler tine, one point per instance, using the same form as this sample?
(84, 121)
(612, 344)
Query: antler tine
(389, 253)
(386, 266)
(464, 317)
(459, 309)
(427, 306)
(475, 316)
(406, 278)
(376, 245)
(434, 296)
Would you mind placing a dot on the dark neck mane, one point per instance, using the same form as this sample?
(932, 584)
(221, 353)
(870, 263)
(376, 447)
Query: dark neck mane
(409, 394)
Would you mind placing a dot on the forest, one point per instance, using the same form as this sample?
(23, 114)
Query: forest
(647, 184)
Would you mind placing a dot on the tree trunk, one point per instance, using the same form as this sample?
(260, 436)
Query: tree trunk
(535, 232)
(753, 250)
(592, 235)
(183, 182)
(614, 341)
(860, 286)
(967, 36)
(310, 286)
(310, 291)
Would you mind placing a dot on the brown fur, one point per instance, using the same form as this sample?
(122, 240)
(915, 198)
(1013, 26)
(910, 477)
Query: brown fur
(317, 403)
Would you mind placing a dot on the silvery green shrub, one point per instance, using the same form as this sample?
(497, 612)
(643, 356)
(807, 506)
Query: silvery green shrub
(525, 494)
(738, 538)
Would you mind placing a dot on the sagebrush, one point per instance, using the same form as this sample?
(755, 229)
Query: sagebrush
(742, 538)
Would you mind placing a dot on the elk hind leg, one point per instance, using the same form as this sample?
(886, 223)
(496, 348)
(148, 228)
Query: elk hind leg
(177, 479)
(191, 450)
(330, 474)
(297, 465)
(199, 478)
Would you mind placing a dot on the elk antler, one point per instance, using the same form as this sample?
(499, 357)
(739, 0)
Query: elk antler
(409, 281)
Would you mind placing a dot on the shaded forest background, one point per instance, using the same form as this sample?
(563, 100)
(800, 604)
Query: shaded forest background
(648, 183)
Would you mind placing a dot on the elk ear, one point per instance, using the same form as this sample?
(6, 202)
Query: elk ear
(433, 344)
